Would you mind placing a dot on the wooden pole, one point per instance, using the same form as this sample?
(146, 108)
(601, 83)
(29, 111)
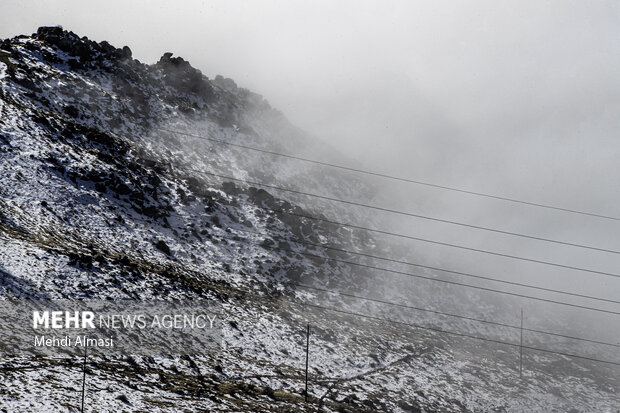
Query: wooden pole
(84, 379)
(521, 348)
(307, 356)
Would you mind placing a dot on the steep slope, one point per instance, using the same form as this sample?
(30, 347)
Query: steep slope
(114, 185)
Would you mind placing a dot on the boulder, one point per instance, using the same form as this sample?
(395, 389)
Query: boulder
(163, 247)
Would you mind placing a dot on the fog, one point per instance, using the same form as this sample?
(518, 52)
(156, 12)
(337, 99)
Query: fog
(518, 99)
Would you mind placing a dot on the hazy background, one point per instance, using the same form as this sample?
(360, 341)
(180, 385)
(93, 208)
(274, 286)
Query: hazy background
(459, 85)
(515, 98)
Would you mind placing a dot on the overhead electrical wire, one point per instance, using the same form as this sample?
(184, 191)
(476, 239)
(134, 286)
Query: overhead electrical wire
(483, 251)
(432, 241)
(324, 246)
(439, 269)
(455, 333)
(424, 277)
(407, 306)
(434, 279)
(409, 214)
(395, 178)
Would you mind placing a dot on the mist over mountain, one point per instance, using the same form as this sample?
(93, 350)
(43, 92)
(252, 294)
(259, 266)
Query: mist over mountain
(126, 180)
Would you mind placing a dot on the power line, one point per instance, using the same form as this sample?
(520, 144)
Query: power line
(408, 274)
(298, 241)
(435, 268)
(409, 214)
(422, 266)
(402, 235)
(437, 279)
(426, 266)
(439, 330)
(381, 301)
(396, 178)
(435, 311)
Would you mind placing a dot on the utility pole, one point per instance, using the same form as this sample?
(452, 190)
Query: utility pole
(521, 348)
(84, 379)
(307, 354)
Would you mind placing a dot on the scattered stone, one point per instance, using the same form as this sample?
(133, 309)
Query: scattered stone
(163, 247)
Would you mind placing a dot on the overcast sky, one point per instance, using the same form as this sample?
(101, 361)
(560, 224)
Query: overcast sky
(516, 93)
(518, 98)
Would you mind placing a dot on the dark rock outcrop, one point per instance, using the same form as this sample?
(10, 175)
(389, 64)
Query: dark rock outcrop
(181, 75)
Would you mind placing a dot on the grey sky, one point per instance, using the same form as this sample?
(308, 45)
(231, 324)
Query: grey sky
(461, 84)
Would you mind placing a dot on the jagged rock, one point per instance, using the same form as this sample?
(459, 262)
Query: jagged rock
(106, 47)
(71, 111)
(181, 75)
(47, 32)
(67, 42)
(126, 52)
(225, 82)
(163, 247)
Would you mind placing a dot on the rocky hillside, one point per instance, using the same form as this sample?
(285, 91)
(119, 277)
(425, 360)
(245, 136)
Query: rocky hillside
(118, 182)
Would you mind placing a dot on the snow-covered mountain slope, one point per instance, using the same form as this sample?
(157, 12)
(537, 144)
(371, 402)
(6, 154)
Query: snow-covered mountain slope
(110, 189)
